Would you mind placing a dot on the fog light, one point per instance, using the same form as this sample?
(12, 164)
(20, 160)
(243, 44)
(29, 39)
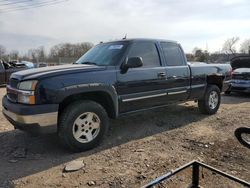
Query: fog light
(26, 99)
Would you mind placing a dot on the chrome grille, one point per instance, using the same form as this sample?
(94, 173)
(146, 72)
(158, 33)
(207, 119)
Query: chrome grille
(12, 97)
(13, 82)
(241, 76)
(12, 94)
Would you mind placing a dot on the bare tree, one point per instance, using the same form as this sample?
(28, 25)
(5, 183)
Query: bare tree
(67, 50)
(195, 50)
(200, 55)
(33, 55)
(41, 54)
(229, 45)
(2, 51)
(37, 54)
(245, 46)
(14, 55)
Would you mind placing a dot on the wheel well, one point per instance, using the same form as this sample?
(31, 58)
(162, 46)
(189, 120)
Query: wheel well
(216, 80)
(100, 97)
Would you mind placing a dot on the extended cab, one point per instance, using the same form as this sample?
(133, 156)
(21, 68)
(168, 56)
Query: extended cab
(110, 80)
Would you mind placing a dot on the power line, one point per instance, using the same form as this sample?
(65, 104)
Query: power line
(31, 6)
(13, 3)
(32, 3)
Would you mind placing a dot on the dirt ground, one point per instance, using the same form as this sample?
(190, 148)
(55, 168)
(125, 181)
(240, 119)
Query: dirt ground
(137, 149)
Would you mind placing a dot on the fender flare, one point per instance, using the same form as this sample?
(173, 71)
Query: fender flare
(67, 91)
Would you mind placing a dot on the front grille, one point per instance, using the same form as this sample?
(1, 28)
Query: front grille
(12, 97)
(239, 88)
(13, 82)
(241, 76)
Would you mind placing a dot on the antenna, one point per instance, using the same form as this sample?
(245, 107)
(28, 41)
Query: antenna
(125, 37)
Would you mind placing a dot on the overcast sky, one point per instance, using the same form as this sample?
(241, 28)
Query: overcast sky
(193, 23)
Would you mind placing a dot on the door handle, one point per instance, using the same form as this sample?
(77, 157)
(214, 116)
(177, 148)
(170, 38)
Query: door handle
(161, 75)
(173, 77)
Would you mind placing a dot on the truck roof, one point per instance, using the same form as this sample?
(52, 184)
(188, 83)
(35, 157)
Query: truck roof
(143, 39)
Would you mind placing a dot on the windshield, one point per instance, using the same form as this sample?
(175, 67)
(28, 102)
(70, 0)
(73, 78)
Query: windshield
(104, 54)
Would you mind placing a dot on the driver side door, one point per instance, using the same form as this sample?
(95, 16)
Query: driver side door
(142, 87)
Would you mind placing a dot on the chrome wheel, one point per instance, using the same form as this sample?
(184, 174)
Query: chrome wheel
(86, 127)
(246, 137)
(213, 100)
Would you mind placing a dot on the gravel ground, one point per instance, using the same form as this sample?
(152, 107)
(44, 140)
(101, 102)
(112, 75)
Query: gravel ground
(137, 149)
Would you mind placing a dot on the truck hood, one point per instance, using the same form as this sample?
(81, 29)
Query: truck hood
(242, 71)
(45, 72)
(240, 62)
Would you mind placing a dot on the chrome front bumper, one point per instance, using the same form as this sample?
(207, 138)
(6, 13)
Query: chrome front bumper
(27, 116)
(42, 120)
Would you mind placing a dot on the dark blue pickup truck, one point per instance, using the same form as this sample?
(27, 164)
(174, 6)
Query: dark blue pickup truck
(110, 80)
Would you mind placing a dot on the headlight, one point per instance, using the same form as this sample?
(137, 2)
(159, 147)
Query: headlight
(26, 92)
(28, 85)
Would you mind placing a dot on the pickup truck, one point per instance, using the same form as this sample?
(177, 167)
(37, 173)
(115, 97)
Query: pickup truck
(6, 69)
(241, 74)
(112, 79)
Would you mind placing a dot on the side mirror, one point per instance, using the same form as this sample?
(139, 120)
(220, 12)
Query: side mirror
(133, 62)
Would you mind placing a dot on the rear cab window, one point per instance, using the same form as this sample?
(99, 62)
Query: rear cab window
(147, 51)
(172, 53)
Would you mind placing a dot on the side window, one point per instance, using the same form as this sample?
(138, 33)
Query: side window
(172, 53)
(147, 51)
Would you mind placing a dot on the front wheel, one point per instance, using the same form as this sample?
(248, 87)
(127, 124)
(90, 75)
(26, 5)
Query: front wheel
(82, 125)
(211, 100)
(243, 136)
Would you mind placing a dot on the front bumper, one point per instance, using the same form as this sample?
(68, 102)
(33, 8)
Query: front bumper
(240, 86)
(25, 116)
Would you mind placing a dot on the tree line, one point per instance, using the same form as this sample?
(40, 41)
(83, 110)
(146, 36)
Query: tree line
(229, 50)
(39, 54)
(75, 51)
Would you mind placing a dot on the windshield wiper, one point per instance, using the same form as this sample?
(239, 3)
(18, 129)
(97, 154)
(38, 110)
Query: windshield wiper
(89, 63)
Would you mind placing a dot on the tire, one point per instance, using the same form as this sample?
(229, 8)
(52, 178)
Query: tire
(207, 105)
(238, 134)
(82, 125)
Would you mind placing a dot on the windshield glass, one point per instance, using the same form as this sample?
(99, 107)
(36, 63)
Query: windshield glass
(104, 54)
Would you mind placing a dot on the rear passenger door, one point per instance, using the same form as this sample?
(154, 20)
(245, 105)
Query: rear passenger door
(177, 71)
(142, 87)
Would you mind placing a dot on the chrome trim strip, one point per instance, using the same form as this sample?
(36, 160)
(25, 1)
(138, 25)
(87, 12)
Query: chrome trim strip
(43, 120)
(228, 81)
(144, 97)
(176, 92)
(20, 91)
(198, 85)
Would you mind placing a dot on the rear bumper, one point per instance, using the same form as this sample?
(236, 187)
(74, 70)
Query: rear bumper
(24, 116)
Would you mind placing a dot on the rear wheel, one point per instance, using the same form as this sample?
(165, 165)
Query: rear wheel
(211, 100)
(82, 125)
